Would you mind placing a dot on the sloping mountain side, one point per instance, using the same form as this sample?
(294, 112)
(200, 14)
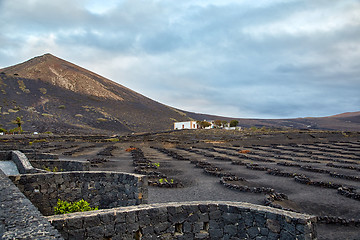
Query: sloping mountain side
(50, 94)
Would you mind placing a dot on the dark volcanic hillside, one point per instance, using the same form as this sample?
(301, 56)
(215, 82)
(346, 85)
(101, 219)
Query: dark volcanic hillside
(51, 94)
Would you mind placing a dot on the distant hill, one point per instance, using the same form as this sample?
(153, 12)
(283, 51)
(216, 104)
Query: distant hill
(340, 122)
(51, 94)
(346, 115)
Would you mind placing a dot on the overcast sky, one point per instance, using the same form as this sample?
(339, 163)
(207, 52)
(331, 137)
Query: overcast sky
(236, 58)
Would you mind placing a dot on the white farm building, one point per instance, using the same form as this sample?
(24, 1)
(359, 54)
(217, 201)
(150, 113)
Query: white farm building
(186, 125)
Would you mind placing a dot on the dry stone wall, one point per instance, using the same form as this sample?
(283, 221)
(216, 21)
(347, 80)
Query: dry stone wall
(22, 163)
(61, 165)
(103, 189)
(34, 155)
(5, 155)
(188, 220)
(19, 219)
(28, 161)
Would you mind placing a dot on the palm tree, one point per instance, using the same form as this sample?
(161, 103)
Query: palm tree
(18, 122)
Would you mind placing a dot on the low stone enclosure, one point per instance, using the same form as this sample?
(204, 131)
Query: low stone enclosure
(124, 212)
(187, 220)
(102, 189)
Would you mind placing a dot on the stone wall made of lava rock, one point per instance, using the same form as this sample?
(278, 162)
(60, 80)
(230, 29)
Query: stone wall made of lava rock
(19, 218)
(188, 220)
(61, 165)
(5, 155)
(102, 189)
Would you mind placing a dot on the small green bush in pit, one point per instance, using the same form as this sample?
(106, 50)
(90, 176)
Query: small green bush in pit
(112, 140)
(38, 141)
(43, 90)
(164, 180)
(55, 169)
(156, 164)
(64, 207)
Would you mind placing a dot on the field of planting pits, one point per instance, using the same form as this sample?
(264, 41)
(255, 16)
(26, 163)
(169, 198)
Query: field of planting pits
(315, 172)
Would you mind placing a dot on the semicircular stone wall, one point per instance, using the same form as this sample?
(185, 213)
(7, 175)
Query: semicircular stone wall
(187, 220)
(102, 189)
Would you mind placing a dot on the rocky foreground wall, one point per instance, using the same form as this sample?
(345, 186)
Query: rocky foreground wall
(187, 220)
(19, 219)
(102, 189)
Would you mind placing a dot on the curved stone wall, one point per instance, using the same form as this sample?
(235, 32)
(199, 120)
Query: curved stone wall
(103, 189)
(187, 220)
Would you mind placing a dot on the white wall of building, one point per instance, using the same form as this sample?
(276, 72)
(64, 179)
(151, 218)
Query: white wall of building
(186, 125)
(232, 128)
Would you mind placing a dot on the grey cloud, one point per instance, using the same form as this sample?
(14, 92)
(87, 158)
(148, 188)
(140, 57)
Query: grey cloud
(292, 68)
(109, 41)
(205, 56)
(161, 42)
(43, 15)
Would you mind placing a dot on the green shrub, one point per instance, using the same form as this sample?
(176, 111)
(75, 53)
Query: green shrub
(234, 123)
(64, 207)
(156, 165)
(55, 169)
(111, 140)
(164, 180)
(38, 141)
(17, 129)
(22, 86)
(43, 90)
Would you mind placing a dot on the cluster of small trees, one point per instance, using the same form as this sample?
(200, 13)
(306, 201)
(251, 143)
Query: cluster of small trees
(223, 123)
(203, 124)
(218, 123)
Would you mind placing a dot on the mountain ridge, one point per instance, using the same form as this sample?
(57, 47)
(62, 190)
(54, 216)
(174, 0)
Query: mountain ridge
(52, 94)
